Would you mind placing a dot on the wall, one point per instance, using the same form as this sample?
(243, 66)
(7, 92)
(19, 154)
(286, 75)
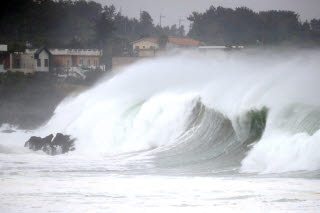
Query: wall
(62, 60)
(121, 62)
(144, 44)
(27, 62)
(42, 57)
(22, 62)
(145, 48)
(146, 52)
(85, 60)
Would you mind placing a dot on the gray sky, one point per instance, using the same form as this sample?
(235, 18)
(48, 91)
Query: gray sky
(173, 9)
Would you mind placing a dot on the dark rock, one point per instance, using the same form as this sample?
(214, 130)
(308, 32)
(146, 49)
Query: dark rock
(51, 145)
(64, 142)
(48, 139)
(34, 143)
(47, 146)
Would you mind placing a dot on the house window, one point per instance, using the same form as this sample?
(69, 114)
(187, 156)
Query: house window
(39, 62)
(144, 47)
(88, 62)
(46, 62)
(68, 63)
(81, 61)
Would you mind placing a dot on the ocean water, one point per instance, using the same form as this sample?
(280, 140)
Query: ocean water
(227, 132)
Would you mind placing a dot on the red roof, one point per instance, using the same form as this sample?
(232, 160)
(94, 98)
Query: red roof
(176, 40)
(183, 40)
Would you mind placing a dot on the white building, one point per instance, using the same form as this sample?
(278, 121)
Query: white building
(149, 46)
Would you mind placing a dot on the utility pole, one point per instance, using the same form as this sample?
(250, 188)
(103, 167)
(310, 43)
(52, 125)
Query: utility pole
(180, 32)
(161, 16)
(180, 21)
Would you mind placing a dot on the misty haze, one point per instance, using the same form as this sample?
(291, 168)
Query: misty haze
(159, 106)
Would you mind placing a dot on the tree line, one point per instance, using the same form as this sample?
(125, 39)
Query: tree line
(88, 24)
(242, 26)
(74, 24)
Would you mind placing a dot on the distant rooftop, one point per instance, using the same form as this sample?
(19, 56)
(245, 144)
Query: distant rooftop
(150, 39)
(183, 40)
(176, 40)
(83, 52)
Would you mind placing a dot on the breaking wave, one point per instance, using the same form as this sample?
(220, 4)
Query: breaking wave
(243, 111)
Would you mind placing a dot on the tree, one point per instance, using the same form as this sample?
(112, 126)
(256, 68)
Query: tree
(242, 26)
(146, 27)
(315, 25)
(181, 31)
(57, 22)
(104, 25)
(174, 30)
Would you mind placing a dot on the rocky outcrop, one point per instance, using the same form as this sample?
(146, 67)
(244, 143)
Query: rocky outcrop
(51, 145)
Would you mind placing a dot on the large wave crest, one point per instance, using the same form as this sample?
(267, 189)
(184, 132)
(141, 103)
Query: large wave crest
(248, 111)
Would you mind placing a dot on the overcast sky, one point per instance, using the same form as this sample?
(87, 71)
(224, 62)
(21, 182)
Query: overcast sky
(173, 9)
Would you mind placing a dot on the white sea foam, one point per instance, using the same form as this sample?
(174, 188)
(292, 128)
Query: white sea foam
(147, 106)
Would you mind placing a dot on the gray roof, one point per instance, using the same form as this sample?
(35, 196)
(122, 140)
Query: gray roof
(43, 48)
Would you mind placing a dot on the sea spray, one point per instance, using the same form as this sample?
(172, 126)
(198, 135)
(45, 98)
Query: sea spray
(189, 109)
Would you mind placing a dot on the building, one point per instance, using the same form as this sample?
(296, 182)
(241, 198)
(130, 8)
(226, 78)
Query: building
(149, 46)
(43, 58)
(145, 47)
(38, 60)
(60, 60)
(64, 62)
(76, 57)
(145, 43)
